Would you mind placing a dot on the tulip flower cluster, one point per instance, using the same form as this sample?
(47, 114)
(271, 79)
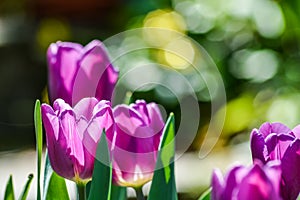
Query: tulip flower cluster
(272, 142)
(134, 133)
(81, 84)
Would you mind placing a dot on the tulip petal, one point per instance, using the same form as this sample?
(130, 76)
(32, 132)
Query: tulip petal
(86, 171)
(56, 144)
(217, 184)
(102, 119)
(268, 128)
(62, 66)
(68, 127)
(274, 172)
(128, 119)
(256, 185)
(257, 144)
(277, 145)
(150, 114)
(231, 182)
(296, 131)
(70, 131)
(157, 123)
(141, 107)
(290, 171)
(84, 108)
(96, 76)
(133, 169)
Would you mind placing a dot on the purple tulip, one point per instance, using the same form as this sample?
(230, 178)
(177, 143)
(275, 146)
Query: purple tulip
(138, 133)
(75, 72)
(73, 133)
(275, 141)
(247, 183)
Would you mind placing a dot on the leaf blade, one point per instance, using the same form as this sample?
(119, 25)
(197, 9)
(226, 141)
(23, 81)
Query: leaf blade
(206, 195)
(102, 174)
(163, 184)
(57, 189)
(9, 190)
(26, 188)
(53, 181)
(39, 143)
(118, 193)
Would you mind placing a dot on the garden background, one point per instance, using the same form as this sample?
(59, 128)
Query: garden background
(254, 43)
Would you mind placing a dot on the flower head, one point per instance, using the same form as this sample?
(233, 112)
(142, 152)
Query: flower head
(247, 183)
(275, 141)
(75, 72)
(73, 133)
(138, 133)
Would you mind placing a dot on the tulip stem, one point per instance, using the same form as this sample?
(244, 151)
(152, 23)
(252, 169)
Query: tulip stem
(139, 193)
(81, 189)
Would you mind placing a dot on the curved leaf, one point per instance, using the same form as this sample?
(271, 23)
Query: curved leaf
(205, 195)
(102, 175)
(9, 190)
(163, 184)
(39, 143)
(25, 191)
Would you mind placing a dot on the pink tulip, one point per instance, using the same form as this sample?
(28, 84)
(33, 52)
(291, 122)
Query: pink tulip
(138, 133)
(73, 133)
(275, 141)
(75, 72)
(247, 183)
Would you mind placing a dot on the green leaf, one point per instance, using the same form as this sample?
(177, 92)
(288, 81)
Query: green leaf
(47, 175)
(118, 193)
(57, 189)
(54, 186)
(163, 184)
(9, 191)
(39, 143)
(25, 191)
(88, 188)
(205, 195)
(102, 174)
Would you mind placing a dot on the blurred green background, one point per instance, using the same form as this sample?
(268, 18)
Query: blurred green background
(254, 43)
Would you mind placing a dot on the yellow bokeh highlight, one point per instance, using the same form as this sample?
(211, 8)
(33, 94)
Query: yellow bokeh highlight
(179, 54)
(162, 26)
(165, 19)
(165, 30)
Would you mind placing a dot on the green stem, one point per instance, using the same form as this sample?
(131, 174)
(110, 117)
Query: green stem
(139, 193)
(81, 190)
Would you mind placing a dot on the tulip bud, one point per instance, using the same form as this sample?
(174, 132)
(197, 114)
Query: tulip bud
(75, 72)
